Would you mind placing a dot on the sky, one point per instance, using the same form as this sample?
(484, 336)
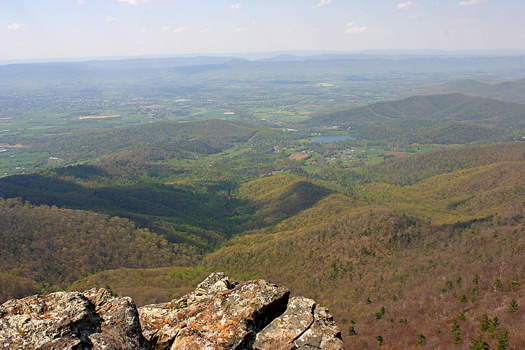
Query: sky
(38, 29)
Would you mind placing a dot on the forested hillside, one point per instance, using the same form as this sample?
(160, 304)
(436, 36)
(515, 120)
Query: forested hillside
(43, 248)
(445, 119)
(410, 245)
(512, 91)
(382, 273)
(205, 137)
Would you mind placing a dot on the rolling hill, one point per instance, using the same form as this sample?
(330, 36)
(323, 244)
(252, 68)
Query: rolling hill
(510, 91)
(204, 137)
(445, 119)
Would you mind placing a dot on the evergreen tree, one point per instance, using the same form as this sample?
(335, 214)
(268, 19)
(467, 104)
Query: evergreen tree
(479, 344)
(503, 340)
(513, 307)
(485, 323)
(456, 331)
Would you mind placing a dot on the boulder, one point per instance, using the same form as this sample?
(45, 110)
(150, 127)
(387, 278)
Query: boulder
(71, 320)
(217, 315)
(304, 325)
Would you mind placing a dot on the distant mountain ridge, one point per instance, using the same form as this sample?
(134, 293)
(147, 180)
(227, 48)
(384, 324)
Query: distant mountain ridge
(311, 65)
(291, 53)
(510, 91)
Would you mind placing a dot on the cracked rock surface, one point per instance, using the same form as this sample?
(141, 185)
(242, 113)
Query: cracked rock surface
(219, 314)
(71, 320)
(304, 325)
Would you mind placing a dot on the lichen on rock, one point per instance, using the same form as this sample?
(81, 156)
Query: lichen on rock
(71, 320)
(219, 314)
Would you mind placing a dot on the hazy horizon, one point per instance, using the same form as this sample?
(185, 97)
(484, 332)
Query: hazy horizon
(72, 29)
(254, 56)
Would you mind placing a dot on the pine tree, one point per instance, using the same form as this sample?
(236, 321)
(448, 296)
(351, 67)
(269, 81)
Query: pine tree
(479, 344)
(493, 327)
(513, 307)
(503, 340)
(456, 331)
(485, 323)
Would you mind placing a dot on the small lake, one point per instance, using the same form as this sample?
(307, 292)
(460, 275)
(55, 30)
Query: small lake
(327, 139)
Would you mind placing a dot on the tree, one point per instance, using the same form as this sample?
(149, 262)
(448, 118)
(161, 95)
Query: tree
(493, 327)
(456, 332)
(421, 339)
(513, 307)
(380, 340)
(485, 323)
(379, 315)
(503, 340)
(479, 344)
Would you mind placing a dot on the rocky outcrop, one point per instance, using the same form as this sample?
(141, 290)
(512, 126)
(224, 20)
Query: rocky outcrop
(71, 320)
(217, 315)
(304, 325)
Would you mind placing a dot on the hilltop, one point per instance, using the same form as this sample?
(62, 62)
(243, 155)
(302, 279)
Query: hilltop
(511, 91)
(446, 119)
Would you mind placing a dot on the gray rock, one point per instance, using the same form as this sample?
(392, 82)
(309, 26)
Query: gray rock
(217, 315)
(71, 320)
(304, 325)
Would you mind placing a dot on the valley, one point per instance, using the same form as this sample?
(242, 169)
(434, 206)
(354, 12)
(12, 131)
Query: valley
(143, 177)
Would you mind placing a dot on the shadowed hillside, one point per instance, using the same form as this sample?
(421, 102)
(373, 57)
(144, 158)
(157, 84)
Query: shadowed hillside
(45, 247)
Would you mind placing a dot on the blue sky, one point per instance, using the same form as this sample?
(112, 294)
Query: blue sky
(34, 29)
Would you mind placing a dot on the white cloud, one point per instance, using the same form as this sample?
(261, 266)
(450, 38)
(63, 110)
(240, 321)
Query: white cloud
(180, 29)
(236, 7)
(240, 29)
(354, 29)
(166, 28)
(206, 30)
(81, 2)
(15, 26)
(322, 3)
(135, 2)
(473, 2)
(110, 19)
(408, 5)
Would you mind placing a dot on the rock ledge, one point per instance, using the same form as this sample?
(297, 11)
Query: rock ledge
(219, 314)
